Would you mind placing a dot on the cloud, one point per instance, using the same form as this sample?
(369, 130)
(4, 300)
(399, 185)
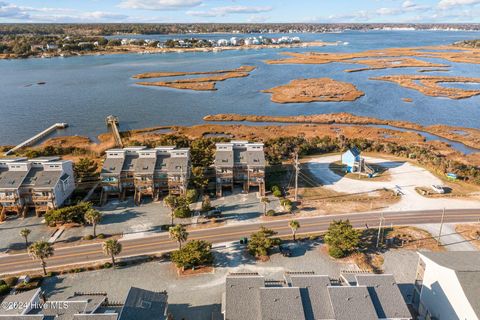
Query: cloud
(446, 4)
(159, 4)
(12, 11)
(223, 11)
(31, 14)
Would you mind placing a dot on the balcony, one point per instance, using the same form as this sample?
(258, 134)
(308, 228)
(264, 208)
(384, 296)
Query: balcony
(41, 198)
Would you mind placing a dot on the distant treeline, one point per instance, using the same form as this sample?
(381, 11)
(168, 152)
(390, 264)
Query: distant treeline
(143, 28)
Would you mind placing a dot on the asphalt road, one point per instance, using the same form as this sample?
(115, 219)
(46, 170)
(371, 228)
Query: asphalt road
(82, 254)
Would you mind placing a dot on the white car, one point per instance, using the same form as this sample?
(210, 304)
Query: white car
(438, 189)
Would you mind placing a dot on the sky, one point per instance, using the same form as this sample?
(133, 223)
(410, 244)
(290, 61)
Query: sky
(243, 11)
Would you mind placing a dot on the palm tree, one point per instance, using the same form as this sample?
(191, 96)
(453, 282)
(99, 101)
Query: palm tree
(25, 232)
(294, 225)
(112, 248)
(171, 202)
(41, 250)
(93, 217)
(179, 234)
(265, 201)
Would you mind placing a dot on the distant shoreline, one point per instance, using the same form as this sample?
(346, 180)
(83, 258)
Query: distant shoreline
(149, 50)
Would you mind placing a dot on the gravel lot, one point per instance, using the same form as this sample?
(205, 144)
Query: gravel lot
(404, 177)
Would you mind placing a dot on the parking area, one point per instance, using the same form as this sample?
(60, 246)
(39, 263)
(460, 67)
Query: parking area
(198, 297)
(127, 219)
(404, 177)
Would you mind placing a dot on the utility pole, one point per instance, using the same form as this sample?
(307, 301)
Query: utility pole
(380, 225)
(441, 227)
(297, 170)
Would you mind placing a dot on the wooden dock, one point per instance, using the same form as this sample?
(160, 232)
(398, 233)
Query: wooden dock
(112, 122)
(38, 137)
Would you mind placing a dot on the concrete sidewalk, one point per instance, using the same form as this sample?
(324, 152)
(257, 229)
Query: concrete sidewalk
(450, 239)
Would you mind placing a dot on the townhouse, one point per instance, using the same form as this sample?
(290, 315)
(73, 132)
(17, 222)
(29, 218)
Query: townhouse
(239, 163)
(145, 172)
(42, 184)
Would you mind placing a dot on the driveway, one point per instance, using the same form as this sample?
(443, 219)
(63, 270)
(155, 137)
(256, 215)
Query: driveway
(404, 177)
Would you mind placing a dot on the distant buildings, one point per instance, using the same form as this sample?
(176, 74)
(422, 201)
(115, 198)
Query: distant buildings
(240, 163)
(140, 304)
(42, 183)
(448, 285)
(145, 172)
(313, 297)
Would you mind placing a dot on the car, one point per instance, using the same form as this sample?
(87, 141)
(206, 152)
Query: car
(285, 251)
(438, 189)
(215, 213)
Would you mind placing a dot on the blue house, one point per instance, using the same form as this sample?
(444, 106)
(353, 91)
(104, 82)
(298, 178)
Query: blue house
(351, 159)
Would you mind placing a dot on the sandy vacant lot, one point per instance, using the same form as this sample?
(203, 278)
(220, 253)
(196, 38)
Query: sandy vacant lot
(404, 177)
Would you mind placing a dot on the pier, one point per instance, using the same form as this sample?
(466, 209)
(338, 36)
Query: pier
(112, 122)
(38, 137)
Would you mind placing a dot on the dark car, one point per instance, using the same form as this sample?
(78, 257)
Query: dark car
(215, 213)
(285, 251)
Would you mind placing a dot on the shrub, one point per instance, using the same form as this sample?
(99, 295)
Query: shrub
(336, 252)
(194, 253)
(71, 214)
(275, 188)
(101, 236)
(191, 195)
(88, 237)
(4, 289)
(107, 265)
(278, 193)
(270, 213)
(261, 242)
(2, 282)
(342, 236)
(11, 281)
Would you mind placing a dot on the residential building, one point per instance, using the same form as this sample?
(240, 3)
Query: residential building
(354, 162)
(52, 46)
(240, 163)
(41, 183)
(145, 172)
(140, 304)
(447, 285)
(312, 297)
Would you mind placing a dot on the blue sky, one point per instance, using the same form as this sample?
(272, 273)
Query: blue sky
(164, 11)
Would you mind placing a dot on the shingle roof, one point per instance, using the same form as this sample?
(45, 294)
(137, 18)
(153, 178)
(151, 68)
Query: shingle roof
(41, 179)
(96, 316)
(283, 303)
(12, 179)
(144, 305)
(386, 296)
(129, 163)
(456, 260)
(145, 165)
(255, 158)
(242, 299)
(352, 303)
(315, 297)
(112, 166)
(470, 280)
(224, 158)
(22, 299)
